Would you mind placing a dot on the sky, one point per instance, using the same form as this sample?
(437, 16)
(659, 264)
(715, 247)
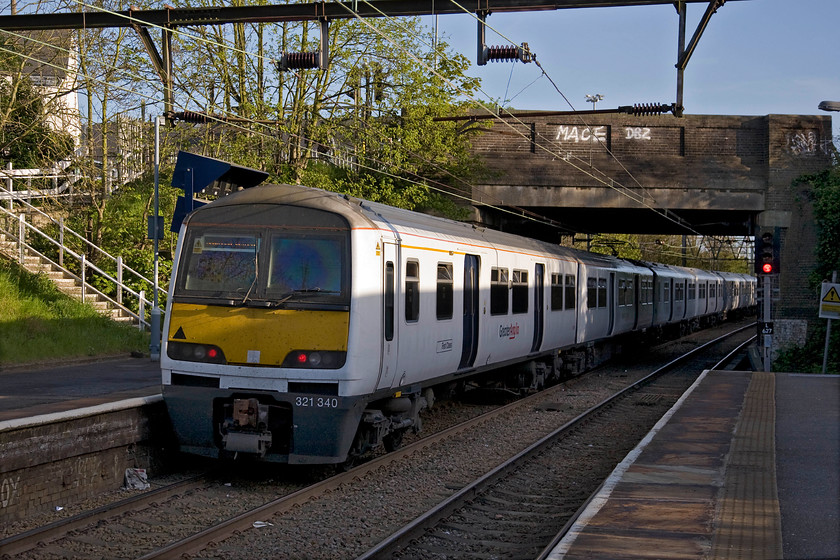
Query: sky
(756, 57)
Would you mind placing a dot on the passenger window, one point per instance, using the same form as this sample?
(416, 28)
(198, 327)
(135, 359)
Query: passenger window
(666, 293)
(498, 291)
(444, 291)
(520, 291)
(602, 292)
(571, 293)
(556, 292)
(412, 291)
(389, 301)
(591, 293)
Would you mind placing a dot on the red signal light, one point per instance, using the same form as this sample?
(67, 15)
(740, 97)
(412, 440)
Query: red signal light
(767, 268)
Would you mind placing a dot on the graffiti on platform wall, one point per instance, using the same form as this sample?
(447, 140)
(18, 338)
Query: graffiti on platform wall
(9, 491)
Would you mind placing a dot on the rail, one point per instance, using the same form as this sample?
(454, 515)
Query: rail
(120, 287)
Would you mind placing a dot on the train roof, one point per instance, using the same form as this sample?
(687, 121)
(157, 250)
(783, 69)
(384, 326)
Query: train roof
(361, 213)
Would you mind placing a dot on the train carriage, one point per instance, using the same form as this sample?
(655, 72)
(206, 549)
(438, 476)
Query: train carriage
(305, 326)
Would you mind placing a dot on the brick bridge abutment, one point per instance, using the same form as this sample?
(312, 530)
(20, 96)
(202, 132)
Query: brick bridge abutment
(715, 174)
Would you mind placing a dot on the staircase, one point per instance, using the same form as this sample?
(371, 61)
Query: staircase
(127, 305)
(65, 281)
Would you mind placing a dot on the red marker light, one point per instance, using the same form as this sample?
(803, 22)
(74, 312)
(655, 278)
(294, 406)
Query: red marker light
(212, 353)
(301, 358)
(767, 268)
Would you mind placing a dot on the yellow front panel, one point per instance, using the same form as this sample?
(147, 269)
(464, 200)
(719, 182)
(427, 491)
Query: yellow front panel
(271, 332)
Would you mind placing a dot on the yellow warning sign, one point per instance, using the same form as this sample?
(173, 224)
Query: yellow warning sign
(830, 301)
(831, 296)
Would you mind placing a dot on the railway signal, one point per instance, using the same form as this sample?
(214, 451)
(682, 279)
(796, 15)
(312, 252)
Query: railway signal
(767, 253)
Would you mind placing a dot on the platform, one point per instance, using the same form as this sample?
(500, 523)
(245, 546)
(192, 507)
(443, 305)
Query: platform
(745, 465)
(38, 390)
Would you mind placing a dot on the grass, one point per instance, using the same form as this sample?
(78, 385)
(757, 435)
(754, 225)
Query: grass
(40, 324)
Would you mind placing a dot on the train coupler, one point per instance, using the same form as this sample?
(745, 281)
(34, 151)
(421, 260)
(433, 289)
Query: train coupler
(245, 431)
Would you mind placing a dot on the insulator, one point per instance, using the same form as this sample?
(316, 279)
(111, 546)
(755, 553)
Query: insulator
(299, 60)
(647, 109)
(502, 53)
(192, 117)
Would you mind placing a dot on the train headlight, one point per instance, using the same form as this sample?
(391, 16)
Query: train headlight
(190, 352)
(314, 359)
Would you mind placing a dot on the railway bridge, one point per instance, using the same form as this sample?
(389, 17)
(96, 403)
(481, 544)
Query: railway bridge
(619, 173)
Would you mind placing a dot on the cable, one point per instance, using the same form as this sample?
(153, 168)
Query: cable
(611, 184)
(300, 137)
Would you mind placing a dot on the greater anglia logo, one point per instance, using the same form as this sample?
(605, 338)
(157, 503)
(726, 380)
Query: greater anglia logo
(509, 331)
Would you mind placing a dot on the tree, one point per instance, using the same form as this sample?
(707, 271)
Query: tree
(26, 139)
(365, 119)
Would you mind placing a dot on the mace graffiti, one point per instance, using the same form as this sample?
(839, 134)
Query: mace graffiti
(581, 134)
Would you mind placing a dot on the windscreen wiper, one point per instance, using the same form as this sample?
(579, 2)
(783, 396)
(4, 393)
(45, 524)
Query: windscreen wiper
(303, 292)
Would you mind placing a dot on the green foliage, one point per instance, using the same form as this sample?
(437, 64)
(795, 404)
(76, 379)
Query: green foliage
(826, 202)
(808, 358)
(369, 114)
(722, 254)
(620, 245)
(39, 323)
(124, 229)
(825, 192)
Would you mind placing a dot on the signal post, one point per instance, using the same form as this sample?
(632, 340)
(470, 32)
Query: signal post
(767, 266)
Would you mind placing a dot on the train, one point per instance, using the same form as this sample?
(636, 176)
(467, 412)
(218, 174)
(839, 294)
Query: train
(308, 327)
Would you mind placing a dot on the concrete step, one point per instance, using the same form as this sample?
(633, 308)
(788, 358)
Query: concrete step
(56, 275)
(65, 282)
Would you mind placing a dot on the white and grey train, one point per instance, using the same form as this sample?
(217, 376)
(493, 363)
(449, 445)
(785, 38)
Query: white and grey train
(306, 327)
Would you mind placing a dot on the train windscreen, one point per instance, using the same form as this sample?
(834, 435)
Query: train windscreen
(266, 265)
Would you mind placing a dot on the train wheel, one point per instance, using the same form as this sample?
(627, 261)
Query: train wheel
(393, 441)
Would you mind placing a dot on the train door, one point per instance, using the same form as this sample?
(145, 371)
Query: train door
(637, 300)
(471, 313)
(390, 324)
(539, 306)
(611, 302)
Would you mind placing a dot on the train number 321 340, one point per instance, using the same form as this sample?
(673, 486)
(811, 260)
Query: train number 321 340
(319, 402)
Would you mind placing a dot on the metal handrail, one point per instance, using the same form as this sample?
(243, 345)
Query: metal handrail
(24, 248)
(88, 286)
(92, 246)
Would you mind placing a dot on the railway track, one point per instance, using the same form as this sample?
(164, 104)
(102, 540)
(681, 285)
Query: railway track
(41, 537)
(273, 513)
(515, 510)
